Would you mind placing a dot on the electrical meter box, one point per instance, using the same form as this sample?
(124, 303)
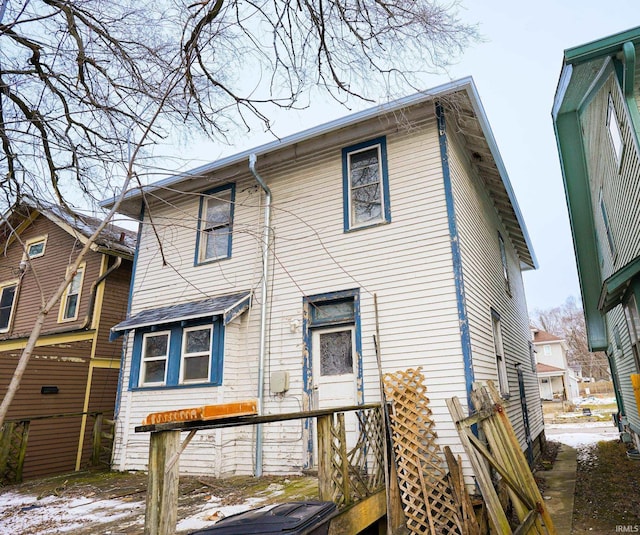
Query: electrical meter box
(279, 382)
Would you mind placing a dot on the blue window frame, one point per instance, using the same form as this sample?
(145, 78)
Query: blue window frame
(365, 182)
(215, 224)
(181, 354)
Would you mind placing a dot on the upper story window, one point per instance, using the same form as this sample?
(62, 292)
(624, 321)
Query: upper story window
(505, 265)
(215, 224)
(501, 364)
(365, 184)
(35, 247)
(615, 134)
(71, 298)
(179, 355)
(7, 302)
(546, 349)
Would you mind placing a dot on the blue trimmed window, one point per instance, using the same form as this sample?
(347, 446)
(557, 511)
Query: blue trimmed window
(178, 355)
(365, 182)
(215, 224)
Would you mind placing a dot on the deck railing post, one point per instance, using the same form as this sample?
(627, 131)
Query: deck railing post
(97, 440)
(161, 513)
(325, 483)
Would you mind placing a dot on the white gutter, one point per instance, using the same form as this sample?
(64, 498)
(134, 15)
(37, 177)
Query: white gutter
(266, 234)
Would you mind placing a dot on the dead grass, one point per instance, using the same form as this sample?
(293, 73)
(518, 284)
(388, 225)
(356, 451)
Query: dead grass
(607, 489)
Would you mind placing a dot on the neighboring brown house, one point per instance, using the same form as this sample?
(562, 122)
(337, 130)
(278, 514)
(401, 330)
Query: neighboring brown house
(74, 368)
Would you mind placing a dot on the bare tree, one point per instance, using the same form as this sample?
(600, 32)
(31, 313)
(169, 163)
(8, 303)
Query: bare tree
(567, 321)
(85, 85)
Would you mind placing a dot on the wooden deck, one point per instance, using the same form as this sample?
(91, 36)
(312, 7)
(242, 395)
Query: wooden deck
(353, 478)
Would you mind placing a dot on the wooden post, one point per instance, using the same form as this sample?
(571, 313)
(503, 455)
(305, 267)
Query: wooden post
(5, 445)
(23, 449)
(344, 462)
(97, 440)
(161, 513)
(324, 458)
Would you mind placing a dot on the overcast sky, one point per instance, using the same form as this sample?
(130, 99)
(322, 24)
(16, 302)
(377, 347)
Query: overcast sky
(516, 70)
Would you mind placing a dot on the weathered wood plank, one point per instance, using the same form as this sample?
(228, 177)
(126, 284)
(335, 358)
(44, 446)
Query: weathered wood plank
(161, 512)
(359, 516)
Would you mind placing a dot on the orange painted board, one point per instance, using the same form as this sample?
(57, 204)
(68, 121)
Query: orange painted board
(206, 412)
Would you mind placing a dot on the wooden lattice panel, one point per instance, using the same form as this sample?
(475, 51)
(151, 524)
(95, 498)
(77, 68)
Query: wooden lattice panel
(352, 473)
(422, 477)
(13, 445)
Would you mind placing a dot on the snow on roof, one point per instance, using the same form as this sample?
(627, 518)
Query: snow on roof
(112, 238)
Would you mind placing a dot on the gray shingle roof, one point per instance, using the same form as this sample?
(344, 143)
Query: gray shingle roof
(229, 306)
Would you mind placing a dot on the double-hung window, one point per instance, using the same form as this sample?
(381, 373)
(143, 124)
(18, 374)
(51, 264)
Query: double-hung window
(179, 355)
(196, 354)
(7, 302)
(501, 364)
(71, 298)
(505, 264)
(365, 184)
(155, 354)
(215, 224)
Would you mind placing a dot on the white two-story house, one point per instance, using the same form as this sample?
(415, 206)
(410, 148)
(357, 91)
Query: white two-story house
(255, 277)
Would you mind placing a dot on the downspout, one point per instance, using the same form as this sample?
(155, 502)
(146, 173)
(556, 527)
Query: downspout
(94, 290)
(266, 234)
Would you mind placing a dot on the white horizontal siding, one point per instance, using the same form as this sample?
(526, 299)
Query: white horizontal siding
(484, 285)
(407, 263)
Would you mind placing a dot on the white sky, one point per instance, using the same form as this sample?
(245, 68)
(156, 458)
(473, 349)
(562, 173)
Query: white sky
(516, 70)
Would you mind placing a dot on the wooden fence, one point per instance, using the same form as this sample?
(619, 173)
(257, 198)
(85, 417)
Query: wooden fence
(14, 439)
(351, 476)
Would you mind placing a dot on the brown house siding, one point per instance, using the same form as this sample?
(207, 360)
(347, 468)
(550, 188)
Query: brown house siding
(101, 399)
(114, 310)
(52, 443)
(46, 272)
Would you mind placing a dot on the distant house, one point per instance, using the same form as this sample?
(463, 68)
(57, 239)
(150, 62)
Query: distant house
(597, 123)
(556, 378)
(74, 368)
(408, 201)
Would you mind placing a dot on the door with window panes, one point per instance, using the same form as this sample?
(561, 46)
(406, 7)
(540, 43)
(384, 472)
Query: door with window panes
(334, 359)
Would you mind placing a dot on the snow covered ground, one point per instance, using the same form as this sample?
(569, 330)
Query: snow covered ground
(581, 434)
(30, 514)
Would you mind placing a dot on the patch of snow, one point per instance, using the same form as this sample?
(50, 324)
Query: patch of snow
(207, 516)
(51, 514)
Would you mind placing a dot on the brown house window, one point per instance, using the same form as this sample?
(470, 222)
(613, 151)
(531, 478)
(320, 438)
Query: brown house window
(7, 300)
(71, 298)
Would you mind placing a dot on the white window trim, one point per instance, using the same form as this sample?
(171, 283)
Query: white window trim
(500, 358)
(615, 133)
(505, 263)
(184, 355)
(352, 223)
(34, 241)
(144, 360)
(4, 285)
(63, 301)
(218, 195)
